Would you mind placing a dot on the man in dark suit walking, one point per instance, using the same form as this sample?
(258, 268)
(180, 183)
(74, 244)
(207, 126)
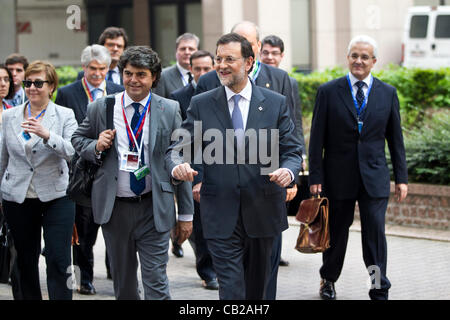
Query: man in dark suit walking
(352, 119)
(77, 96)
(201, 63)
(242, 199)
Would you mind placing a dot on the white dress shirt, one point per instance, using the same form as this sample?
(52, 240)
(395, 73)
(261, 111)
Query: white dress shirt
(115, 75)
(183, 74)
(123, 179)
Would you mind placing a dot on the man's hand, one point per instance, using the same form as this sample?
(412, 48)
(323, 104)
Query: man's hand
(401, 190)
(291, 193)
(184, 172)
(183, 230)
(105, 140)
(196, 191)
(281, 177)
(315, 189)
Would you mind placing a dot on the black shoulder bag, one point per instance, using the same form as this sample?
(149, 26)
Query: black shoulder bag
(82, 172)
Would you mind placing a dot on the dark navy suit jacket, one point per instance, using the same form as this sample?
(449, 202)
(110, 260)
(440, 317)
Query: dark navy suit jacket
(74, 97)
(183, 96)
(339, 154)
(230, 189)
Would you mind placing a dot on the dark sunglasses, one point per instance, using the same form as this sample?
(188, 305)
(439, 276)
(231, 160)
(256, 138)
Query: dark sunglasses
(37, 83)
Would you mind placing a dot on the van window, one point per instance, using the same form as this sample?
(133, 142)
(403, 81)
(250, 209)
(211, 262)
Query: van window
(419, 26)
(442, 26)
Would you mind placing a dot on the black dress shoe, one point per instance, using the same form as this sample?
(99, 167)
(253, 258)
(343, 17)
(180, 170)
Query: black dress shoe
(177, 250)
(283, 263)
(211, 284)
(87, 289)
(327, 291)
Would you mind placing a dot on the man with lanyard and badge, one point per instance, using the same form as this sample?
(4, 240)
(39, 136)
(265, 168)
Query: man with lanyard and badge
(132, 194)
(77, 96)
(353, 118)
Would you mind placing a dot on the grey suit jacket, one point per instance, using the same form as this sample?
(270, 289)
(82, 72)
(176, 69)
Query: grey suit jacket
(45, 162)
(165, 117)
(169, 82)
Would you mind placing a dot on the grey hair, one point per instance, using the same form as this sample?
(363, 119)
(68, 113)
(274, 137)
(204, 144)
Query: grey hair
(95, 52)
(363, 39)
(186, 37)
(248, 23)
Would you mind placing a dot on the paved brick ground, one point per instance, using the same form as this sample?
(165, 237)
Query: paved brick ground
(418, 268)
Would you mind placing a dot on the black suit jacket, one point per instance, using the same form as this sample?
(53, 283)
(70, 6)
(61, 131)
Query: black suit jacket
(231, 189)
(269, 77)
(339, 155)
(74, 97)
(183, 96)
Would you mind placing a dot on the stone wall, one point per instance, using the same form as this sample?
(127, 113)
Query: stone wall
(425, 206)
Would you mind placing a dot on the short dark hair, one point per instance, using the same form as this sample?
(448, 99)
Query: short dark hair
(273, 41)
(142, 57)
(17, 58)
(10, 94)
(112, 33)
(246, 47)
(200, 54)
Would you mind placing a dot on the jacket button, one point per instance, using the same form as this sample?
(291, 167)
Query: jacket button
(54, 146)
(34, 151)
(31, 169)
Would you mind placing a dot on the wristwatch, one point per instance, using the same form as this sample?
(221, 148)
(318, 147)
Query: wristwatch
(98, 154)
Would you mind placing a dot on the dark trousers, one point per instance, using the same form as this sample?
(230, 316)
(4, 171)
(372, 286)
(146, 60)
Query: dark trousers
(372, 214)
(242, 264)
(271, 292)
(25, 220)
(203, 260)
(83, 254)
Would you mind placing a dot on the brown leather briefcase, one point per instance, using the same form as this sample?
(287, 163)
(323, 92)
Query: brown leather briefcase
(314, 234)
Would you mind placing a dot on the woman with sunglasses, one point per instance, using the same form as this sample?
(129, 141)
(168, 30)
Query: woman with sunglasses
(34, 176)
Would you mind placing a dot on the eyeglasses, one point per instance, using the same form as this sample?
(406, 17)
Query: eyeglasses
(5, 79)
(266, 53)
(364, 57)
(227, 60)
(37, 83)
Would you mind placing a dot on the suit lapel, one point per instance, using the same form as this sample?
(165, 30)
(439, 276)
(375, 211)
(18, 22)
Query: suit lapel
(175, 78)
(256, 110)
(263, 79)
(82, 99)
(221, 108)
(346, 96)
(156, 109)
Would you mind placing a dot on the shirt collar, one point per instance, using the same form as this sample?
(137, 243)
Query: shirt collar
(353, 79)
(246, 93)
(91, 87)
(128, 101)
(182, 70)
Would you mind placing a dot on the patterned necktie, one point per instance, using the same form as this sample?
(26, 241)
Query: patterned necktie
(109, 75)
(190, 77)
(137, 186)
(238, 123)
(360, 93)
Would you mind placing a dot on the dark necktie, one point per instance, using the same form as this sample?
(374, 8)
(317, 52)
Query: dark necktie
(190, 77)
(109, 75)
(137, 186)
(238, 123)
(360, 93)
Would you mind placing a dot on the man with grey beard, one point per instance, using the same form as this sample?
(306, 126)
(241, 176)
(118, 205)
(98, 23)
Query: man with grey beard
(77, 96)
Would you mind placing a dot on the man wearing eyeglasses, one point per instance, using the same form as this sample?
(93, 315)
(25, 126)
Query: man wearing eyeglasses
(77, 96)
(353, 117)
(242, 208)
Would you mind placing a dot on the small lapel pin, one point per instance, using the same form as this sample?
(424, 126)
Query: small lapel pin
(267, 85)
(260, 108)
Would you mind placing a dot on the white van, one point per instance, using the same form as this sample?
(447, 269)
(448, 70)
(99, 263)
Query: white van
(426, 40)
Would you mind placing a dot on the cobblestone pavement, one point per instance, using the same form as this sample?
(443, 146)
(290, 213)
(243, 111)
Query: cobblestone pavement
(418, 268)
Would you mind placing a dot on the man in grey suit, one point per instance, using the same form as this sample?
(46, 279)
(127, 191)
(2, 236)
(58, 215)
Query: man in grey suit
(178, 75)
(132, 197)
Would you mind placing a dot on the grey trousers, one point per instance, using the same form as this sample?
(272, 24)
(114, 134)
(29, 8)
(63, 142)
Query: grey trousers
(131, 229)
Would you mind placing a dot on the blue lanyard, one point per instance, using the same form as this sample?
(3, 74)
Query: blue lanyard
(256, 72)
(29, 112)
(139, 125)
(359, 110)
